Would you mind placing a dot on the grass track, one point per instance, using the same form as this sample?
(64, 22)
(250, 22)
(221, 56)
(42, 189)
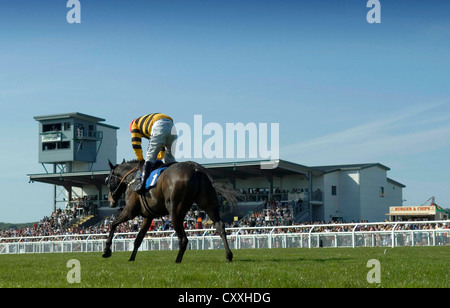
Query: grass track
(259, 268)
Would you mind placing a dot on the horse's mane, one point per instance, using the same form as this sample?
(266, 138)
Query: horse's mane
(125, 165)
(133, 161)
(129, 162)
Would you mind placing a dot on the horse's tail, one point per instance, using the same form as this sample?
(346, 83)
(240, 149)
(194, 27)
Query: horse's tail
(229, 194)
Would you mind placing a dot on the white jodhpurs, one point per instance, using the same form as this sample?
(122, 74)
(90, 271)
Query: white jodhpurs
(162, 137)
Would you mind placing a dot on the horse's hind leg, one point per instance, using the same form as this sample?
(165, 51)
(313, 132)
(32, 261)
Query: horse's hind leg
(212, 209)
(142, 232)
(179, 202)
(182, 238)
(220, 227)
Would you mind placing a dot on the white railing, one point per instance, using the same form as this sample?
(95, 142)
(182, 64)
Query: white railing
(386, 234)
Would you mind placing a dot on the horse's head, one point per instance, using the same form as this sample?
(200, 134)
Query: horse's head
(115, 185)
(117, 180)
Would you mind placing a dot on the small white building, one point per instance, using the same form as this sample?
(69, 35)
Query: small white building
(357, 192)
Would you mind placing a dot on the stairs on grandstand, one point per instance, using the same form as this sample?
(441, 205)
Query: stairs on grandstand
(87, 221)
(303, 216)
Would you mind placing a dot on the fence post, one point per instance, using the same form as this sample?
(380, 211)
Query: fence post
(171, 241)
(393, 235)
(238, 240)
(271, 238)
(354, 236)
(113, 244)
(41, 246)
(17, 244)
(87, 243)
(203, 241)
(309, 236)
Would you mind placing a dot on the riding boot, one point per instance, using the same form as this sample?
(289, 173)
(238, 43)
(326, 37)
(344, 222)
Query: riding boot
(145, 174)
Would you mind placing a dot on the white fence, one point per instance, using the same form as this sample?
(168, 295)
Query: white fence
(392, 234)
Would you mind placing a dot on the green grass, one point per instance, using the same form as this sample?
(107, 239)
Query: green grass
(259, 268)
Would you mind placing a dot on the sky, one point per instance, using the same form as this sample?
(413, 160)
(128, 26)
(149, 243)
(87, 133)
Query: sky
(342, 90)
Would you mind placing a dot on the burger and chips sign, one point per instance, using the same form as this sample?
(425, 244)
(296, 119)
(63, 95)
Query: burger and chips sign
(412, 210)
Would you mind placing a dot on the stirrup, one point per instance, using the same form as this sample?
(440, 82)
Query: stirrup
(135, 184)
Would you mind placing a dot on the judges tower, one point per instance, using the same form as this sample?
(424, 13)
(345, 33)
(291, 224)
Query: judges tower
(77, 148)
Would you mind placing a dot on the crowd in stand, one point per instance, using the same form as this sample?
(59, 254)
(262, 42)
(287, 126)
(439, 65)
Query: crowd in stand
(54, 225)
(61, 223)
(274, 214)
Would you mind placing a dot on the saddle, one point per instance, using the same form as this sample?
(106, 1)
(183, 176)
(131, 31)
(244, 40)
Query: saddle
(157, 168)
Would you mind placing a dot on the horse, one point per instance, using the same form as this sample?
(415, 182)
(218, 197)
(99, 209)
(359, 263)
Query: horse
(177, 188)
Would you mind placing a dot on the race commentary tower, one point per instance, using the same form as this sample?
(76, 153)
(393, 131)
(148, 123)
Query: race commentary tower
(76, 142)
(74, 149)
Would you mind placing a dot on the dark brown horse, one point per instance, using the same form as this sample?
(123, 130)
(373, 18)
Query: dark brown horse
(177, 188)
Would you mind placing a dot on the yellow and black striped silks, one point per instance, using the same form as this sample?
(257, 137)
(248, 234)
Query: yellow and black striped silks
(142, 128)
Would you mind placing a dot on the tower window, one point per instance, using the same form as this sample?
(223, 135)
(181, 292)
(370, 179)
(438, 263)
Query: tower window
(55, 127)
(47, 146)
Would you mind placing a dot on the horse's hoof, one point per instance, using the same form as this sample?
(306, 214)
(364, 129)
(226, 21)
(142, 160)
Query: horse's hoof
(106, 254)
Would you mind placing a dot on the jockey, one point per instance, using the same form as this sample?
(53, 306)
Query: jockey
(156, 127)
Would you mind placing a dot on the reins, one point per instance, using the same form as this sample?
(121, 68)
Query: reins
(123, 179)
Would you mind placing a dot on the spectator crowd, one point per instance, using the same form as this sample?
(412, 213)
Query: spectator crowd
(274, 213)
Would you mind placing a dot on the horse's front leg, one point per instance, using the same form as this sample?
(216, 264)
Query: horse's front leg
(107, 251)
(124, 216)
(142, 232)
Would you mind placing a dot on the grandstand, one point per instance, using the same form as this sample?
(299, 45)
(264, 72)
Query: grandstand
(78, 147)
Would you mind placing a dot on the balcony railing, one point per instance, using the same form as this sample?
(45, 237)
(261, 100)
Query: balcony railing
(82, 134)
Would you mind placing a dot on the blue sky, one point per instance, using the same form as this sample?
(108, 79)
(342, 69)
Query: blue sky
(343, 90)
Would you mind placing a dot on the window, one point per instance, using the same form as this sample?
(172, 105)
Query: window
(381, 191)
(333, 190)
(56, 127)
(67, 126)
(47, 146)
(64, 145)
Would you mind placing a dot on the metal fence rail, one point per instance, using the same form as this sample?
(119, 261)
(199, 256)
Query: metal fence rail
(385, 234)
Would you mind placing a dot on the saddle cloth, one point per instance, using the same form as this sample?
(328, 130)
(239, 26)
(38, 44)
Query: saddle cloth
(151, 181)
(153, 177)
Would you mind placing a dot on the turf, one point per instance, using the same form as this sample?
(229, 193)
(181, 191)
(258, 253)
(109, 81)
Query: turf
(258, 268)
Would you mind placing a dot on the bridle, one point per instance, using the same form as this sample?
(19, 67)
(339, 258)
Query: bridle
(116, 191)
(115, 195)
